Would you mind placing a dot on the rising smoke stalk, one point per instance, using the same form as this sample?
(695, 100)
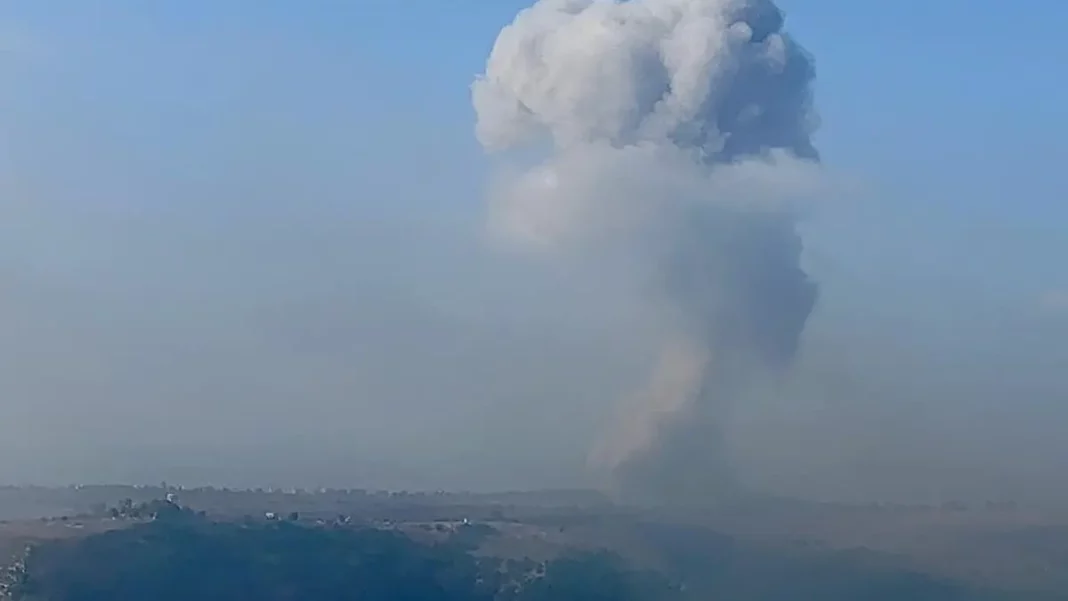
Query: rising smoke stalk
(678, 131)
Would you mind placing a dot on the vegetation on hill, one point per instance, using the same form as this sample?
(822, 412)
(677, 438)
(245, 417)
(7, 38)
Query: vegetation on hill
(182, 556)
(179, 556)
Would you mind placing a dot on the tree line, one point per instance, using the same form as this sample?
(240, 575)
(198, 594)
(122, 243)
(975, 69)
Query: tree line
(180, 556)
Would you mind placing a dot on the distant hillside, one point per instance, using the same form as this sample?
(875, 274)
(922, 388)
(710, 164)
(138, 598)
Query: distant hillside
(181, 556)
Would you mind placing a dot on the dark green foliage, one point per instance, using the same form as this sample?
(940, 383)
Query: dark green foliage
(470, 536)
(180, 556)
(596, 577)
(196, 560)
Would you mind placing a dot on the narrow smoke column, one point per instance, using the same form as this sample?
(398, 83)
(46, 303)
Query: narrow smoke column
(678, 133)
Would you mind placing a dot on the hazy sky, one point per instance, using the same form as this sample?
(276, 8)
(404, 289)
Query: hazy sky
(243, 241)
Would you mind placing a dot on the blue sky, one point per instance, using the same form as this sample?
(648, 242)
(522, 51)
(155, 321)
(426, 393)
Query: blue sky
(162, 156)
(953, 107)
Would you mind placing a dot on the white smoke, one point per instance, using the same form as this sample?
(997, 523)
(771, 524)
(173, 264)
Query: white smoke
(682, 129)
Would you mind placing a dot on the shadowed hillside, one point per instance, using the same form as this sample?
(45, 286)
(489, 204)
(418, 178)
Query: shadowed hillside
(182, 556)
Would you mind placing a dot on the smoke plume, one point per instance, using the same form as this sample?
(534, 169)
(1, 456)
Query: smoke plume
(676, 134)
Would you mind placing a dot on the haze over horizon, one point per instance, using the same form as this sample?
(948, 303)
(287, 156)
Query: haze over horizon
(245, 243)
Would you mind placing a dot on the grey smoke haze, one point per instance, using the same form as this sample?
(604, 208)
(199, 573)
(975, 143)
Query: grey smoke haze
(247, 250)
(634, 97)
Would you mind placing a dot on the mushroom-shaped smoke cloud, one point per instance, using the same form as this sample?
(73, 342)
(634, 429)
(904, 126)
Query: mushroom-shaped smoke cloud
(681, 129)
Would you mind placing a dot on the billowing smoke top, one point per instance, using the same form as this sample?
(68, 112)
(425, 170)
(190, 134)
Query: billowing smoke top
(673, 129)
(715, 76)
